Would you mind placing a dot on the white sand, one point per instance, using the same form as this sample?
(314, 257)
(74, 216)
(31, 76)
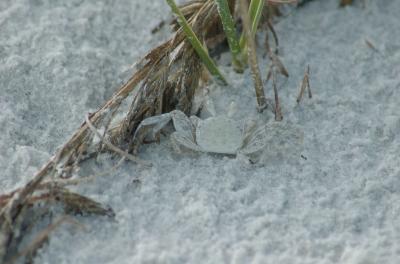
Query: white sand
(62, 59)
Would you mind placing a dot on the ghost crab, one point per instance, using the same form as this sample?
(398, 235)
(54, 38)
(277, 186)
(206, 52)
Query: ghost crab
(216, 134)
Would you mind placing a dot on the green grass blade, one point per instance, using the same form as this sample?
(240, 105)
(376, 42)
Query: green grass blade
(252, 56)
(230, 32)
(255, 10)
(196, 44)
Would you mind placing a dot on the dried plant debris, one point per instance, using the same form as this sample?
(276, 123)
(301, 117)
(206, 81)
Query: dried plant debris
(305, 84)
(29, 251)
(371, 45)
(345, 2)
(276, 66)
(278, 111)
(362, 3)
(302, 3)
(271, 29)
(25, 207)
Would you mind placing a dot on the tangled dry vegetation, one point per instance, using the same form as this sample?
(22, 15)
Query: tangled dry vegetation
(164, 80)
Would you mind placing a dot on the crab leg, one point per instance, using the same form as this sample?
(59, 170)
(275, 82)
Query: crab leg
(182, 124)
(179, 139)
(185, 131)
(150, 126)
(256, 141)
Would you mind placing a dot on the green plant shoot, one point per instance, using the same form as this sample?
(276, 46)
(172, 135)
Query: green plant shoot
(196, 44)
(255, 10)
(230, 32)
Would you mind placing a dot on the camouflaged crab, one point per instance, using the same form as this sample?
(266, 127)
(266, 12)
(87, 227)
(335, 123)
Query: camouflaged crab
(217, 134)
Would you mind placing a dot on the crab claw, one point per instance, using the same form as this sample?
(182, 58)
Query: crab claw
(182, 124)
(180, 140)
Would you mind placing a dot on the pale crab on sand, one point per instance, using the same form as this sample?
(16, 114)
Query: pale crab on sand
(216, 134)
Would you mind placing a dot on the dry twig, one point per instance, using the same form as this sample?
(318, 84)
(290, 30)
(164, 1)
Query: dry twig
(305, 84)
